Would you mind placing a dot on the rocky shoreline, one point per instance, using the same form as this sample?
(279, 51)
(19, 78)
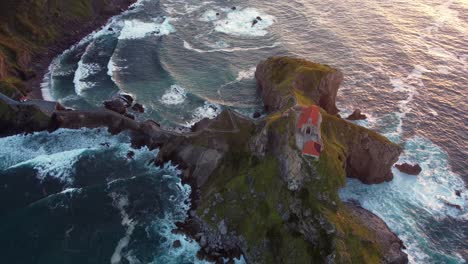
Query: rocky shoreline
(232, 162)
(22, 77)
(253, 193)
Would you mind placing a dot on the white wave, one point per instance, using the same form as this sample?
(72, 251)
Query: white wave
(208, 110)
(121, 203)
(239, 23)
(174, 96)
(84, 71)
(409, 203)
(137, 29)
(234, 49)
(246, 74)
(58, 165)
(21, 148)
(408, 85)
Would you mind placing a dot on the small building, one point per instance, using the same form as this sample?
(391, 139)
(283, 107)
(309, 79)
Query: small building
(308, 135)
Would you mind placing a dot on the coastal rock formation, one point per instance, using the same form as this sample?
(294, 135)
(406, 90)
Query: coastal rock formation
(253, 192)
(409, 169)
(33, 34)
(356, 115)
(280, 78)
(384, 236)
(364, 154)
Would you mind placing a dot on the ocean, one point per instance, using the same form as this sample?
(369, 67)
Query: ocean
(405, 66)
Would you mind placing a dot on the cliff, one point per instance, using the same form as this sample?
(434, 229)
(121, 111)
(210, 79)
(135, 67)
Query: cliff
(254, 193)
(33, 32)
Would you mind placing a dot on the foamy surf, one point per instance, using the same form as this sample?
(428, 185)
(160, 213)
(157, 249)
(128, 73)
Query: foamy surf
(137, 29)
(240, 23)
(174, 96)
(410, 205)
(208, 110)
(188, 46)
(83, 72)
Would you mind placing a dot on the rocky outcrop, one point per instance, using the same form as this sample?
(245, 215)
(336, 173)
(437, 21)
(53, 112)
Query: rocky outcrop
(393, 246)
(278, 78)
(356, 115)
(409, 169)
(364, 154)
(32, 34)
(253, 192)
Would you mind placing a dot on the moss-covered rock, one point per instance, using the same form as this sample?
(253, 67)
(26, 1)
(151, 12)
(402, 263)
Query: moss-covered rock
(35, 30)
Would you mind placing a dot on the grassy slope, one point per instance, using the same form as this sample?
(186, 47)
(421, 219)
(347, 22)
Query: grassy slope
(28, 28)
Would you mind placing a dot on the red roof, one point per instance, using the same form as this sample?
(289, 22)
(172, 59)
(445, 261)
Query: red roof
(312, 148)
(312, 112)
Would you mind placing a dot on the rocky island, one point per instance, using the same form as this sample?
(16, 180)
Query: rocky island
(253, 191)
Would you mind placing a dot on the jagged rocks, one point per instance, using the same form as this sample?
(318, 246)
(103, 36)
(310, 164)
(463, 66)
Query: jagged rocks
(117, 105)
(409, 169)
(356, 115)
(313, 81)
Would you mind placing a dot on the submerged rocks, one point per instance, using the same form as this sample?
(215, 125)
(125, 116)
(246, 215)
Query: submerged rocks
(357, 115)
(409, 169)
(177, 244)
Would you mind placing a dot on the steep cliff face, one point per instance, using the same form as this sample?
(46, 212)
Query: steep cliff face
(254, 193)
(33, 32)
(363, 153)
(280, 78)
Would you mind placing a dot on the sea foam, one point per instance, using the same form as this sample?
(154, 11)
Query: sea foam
(174, 96)
(239, 23)
(137, 29)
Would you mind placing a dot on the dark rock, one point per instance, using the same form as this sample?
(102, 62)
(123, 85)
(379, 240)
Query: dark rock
(177, 244)
(456, 206)
(138, 108)
(127, 99)
(116, 105)
(254, 22)
(458, 193)
(105, 144)
(129, 116)
(409, 169)
(60, 107)
(357, 115)
(233, 8)
(217, 14)
(256, 115)
(259, 18)
(130, 155)
(110, 29)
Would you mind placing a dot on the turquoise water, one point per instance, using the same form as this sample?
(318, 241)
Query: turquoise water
(405, 64)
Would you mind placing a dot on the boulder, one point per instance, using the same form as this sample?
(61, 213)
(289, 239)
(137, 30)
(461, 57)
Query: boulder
(409, 169)
(256, 115)
(138, 108)
(127, 99)
(117, 105)
(357, 115)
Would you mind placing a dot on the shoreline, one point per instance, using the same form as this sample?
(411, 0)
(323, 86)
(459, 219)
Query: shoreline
(40, 62)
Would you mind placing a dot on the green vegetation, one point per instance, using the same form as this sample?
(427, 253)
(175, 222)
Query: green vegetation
(249, 193)
(28, 28)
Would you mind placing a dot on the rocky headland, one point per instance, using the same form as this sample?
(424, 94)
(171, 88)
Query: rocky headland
(253, 192)
(32, 33)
